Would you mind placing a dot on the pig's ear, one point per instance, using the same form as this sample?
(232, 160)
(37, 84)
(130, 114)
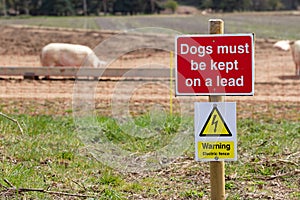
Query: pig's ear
(283, 45)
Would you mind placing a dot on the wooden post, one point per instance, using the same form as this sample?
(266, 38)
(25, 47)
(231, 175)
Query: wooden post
(217, 169)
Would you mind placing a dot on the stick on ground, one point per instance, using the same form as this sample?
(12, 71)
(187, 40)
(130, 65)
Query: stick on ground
(8, 191)
(13, 120)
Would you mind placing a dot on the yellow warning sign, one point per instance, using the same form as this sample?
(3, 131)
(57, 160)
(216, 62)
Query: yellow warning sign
(216, 150)
(215, 125)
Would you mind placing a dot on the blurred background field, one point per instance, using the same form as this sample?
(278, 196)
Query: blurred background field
(276, 25)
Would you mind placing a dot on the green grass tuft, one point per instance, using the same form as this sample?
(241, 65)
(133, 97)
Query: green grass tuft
(50, 155)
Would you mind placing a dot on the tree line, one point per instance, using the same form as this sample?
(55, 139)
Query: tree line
(125, 7)
(243, 5)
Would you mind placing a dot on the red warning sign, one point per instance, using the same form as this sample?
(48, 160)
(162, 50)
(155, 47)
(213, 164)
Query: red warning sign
(215, 64)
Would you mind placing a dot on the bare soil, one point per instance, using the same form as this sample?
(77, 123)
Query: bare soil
(274, 74)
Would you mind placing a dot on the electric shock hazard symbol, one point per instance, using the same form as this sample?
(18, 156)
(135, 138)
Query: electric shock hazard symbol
(215, 125)
(215, 131)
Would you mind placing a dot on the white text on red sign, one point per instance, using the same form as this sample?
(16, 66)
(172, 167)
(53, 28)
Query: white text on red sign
(209, 64)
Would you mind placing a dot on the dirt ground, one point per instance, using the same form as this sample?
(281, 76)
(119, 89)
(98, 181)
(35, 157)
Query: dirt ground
(274, 74)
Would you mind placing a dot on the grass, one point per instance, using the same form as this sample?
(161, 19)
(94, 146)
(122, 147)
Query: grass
(50, 21)
(277, 25)
(50, 155)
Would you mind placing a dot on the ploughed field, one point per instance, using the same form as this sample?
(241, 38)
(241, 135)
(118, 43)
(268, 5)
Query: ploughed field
(275, 82)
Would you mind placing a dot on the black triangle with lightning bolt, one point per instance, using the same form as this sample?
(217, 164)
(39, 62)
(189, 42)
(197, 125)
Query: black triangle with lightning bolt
(215, 125)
